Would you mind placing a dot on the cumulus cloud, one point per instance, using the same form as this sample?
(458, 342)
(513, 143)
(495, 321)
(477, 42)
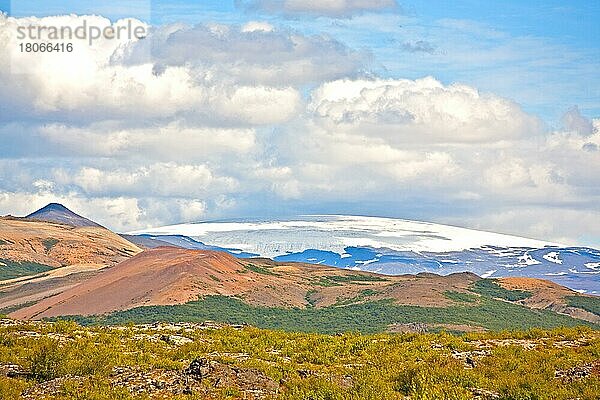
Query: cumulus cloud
(328, 8)
(573, 121)
(171, 141)
(257, 26)
(102, 81)
(510, 172)
(121, 213)
(217, 120)
(555, 223)
(397, 139)
(163, 179)
(254, 53)
(420, 110)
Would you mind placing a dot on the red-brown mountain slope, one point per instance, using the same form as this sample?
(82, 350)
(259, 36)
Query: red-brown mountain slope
(56, 244)
(168, 275)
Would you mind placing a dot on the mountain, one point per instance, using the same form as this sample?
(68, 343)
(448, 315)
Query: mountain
(144, 242)
(55, 212)
(184, 242)
(58, 245)
(170, 275)
(40, 258)
(394, 247)
(97, 276)
(175, 284)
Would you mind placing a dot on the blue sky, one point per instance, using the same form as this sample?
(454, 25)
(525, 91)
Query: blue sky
(482, 115)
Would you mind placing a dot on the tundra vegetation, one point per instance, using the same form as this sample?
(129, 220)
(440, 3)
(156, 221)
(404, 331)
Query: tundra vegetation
(10, 269)
(63, 360)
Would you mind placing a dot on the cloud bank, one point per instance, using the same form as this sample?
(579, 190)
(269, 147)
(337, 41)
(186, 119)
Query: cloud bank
(225, 120)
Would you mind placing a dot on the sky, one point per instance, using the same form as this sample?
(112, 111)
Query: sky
(481, 115)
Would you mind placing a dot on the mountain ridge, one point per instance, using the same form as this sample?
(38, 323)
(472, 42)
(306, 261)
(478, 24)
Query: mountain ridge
(108, 278)
(395, 246)
(170, 275)
(164, 277)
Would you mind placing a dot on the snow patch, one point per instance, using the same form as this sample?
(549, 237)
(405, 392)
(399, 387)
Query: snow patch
(553, 256)
(489, 273)
(593, 266)
(527, 259)
(367, 261)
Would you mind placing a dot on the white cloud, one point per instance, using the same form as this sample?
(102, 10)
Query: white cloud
(257, 26)
(368, 138)
(508, 173)
(223, 120)
(562, 225)
(95, 83)
(172, 141)
(258, 105)
(192, 210)
(117, 212)
(422, 110)
(162, 179)
(120, 214)
(575, 122)
(255, 53)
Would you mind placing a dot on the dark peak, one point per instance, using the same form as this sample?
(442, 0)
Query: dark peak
(56, 212)
(53, 207)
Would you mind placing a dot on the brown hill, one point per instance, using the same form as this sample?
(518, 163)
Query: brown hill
(547, 295)
(56, 244)
(42, 258)
(168, 275)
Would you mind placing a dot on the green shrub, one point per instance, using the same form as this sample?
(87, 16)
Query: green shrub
(49, 243)
(47, 361)
(258, 270)
(16, 269)
(490, 288)
(591, 304)
(365, 317)
(10, 389)
(460, 297)
(305, 365)
(355, 278)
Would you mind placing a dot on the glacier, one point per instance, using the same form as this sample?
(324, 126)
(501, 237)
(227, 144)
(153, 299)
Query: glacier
(393, 246)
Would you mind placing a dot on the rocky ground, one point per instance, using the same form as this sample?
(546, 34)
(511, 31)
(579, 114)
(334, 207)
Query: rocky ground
(202, 378)
(210, 360)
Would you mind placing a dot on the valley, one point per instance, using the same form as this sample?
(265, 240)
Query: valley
(91, 314)
(105, 279)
